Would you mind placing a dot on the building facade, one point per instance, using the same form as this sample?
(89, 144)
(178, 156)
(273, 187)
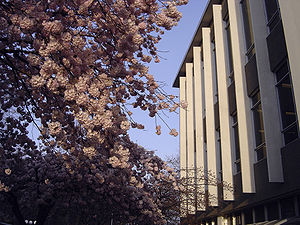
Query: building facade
(240, 131)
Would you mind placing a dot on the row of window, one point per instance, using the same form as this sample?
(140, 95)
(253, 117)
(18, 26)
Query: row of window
(283, 85)
(272, 211)
(282, 76)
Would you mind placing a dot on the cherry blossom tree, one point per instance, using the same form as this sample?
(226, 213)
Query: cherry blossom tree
(73, 69)
(55, 188)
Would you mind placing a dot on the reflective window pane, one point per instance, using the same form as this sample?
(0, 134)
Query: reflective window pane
(288, 114)
(291, 134)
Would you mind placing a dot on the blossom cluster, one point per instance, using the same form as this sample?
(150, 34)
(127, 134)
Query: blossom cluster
(70, 69)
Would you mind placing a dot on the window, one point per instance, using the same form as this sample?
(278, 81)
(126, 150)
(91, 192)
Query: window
(237, 144)
(287, 208)
(259, 213)
(238, 219)
(260, 147)
(214, 64)
(248, 216)
(219, 154)
(273, 212)
(286, 102)
(250, 51)
(204, 130)
(229, 49)
(273, 15)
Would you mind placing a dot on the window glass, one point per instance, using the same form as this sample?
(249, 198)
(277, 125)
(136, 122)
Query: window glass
(287, 208)
(287, 104)
(237, 143)
(219, 154)
(261, 152)
(273, 212)
(204, 130)
(248, 216)
(258, 126)
(259, 214)
(258, 123)
(229, 47)
(215, 78)
(288, 113)
(282, 71)
(271, 8)
(247, 28)
(273, 15)
(291, 134)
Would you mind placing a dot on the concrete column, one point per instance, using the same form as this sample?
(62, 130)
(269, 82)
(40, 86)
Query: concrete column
(220, 220)
(291, 25)
(243, 218)
(279, 209)
(233, 220)
(190, 137)
(269, 101)
(266, 213)
(210, 115)
(227, 142)
(183, 142)
(199, 104)
(243, 103)
(226, 221)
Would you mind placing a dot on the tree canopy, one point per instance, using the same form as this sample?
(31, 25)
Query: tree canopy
(73, 68)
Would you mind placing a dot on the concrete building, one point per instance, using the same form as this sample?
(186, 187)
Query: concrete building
(241, 80)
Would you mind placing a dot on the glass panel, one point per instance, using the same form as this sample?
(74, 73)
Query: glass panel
(273, 213)
(271, 8)
(237, 143)
(255, 98)
(234, 119)
(288, 114)
(258, 125)
(230, 60)
(287, 208)
(220, 153)
(204, 130)
(259, 214)
(248, 216)
(272, 23)
(238, 166)
(261, 153)
(282, 71)
(215, 78)
(247, 23)
(290, 134)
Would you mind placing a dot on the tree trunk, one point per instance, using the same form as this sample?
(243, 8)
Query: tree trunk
(43, 213)
(15, 208)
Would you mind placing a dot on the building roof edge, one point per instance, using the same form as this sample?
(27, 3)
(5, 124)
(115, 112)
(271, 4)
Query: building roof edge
(197, 39)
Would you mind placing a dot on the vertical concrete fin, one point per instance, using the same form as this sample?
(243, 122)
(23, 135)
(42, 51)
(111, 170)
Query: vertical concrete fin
(199, 96)
(245, 126)
(271, 117)
(225, 122)
(210, 115)
(190, 137)
(183, 141)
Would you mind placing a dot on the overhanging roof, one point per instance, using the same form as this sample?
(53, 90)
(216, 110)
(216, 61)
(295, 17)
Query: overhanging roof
(197, 39)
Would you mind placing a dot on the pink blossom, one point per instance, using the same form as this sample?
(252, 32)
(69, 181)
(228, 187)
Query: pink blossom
(54, 128)
(7, 171)
(173, 132)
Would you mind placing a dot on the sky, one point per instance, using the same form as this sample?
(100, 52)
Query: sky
(172, 47)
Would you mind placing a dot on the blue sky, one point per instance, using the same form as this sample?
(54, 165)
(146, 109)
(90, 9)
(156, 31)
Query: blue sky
(173, 47)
